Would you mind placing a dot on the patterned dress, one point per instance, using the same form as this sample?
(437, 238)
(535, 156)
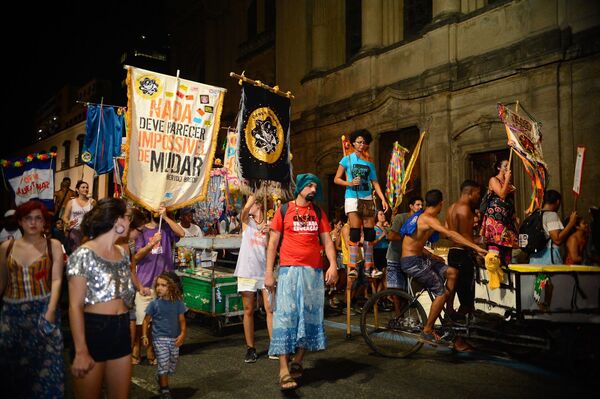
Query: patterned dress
(498, 225)
(30, 346)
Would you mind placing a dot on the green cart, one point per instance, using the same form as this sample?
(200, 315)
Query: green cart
(212, 291)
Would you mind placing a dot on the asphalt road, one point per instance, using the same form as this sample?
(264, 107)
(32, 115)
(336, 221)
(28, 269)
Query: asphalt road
(213, 367)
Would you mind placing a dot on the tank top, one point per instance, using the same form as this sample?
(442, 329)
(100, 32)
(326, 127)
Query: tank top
(28, 282)
(252, 259)
(78, 211)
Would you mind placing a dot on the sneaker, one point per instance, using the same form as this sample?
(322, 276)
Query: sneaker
(251, 356)
(353, 273)
(368, 273)
(273, 357)
(376, 273)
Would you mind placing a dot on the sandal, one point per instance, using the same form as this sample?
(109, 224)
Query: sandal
(287, 383)
(135, 360)
(152, 361)
(430, 338)
(296, 370)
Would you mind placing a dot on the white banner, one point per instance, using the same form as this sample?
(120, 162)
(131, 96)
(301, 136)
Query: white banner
(33, 183)
(171, 138)
(578, 170)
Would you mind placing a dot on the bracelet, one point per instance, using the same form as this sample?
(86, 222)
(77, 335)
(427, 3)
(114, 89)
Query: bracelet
(144, 337)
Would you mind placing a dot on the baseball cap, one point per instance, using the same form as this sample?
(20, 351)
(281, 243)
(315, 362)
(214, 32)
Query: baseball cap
(8, 213)
(185, 211)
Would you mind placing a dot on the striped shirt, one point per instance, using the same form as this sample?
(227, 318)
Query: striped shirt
(30, 282)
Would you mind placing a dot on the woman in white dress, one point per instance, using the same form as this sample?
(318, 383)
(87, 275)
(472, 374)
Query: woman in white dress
(74, 211)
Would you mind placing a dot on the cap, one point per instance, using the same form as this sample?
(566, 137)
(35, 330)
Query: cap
(8, 213)
(185, 211)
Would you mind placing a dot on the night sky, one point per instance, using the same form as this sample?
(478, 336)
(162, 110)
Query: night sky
(61, 43)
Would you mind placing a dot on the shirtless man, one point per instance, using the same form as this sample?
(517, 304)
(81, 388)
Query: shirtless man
(429, 270)
(459, 218)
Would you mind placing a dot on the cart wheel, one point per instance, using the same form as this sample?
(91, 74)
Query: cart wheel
(217, 326)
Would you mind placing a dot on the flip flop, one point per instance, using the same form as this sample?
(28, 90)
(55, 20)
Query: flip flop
(152, 361)
(296, 370)
(287, 383)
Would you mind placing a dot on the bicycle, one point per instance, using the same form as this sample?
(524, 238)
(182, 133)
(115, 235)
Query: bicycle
(392, 320)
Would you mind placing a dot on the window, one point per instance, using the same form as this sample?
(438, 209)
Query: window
(417, 14)
(270, 15)
(80, 140)
(252, 28)
(65, 162)
(353, 27)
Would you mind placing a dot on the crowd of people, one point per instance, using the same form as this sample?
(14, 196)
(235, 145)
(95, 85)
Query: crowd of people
(123, 295)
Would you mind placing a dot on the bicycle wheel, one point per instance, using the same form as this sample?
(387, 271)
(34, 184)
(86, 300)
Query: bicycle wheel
(391, 323)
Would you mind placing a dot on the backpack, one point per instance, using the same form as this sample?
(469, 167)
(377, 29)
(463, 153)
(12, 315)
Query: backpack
(532, 238)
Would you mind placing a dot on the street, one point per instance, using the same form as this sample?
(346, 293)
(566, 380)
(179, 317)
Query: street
(213, 367)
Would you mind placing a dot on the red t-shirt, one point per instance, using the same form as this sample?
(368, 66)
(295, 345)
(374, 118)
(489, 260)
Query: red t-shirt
(300, 245)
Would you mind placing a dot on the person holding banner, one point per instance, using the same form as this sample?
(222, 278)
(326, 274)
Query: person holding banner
(74, 212)
(250, 270)
(154, 255)
(498, 225)
(31, 342)
(360, 180)
(101, 291)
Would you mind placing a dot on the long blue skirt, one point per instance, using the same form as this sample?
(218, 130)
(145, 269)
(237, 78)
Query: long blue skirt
(298, 317)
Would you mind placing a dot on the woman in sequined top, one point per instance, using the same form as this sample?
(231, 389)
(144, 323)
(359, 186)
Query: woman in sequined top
(101, 290)
(31, 343)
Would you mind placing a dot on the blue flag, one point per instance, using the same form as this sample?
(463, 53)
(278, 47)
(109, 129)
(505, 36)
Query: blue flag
(103, 136)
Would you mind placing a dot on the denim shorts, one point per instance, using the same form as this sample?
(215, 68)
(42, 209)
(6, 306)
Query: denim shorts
(107, 336)
(430, 273)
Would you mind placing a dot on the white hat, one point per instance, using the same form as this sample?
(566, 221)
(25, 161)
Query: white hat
(8, 213)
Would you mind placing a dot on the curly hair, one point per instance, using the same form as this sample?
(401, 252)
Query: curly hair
(173, 290)
(364, 133)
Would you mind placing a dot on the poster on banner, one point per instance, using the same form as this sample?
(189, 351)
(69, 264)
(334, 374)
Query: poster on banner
(32, 178)
(172, 135)
(578, 170)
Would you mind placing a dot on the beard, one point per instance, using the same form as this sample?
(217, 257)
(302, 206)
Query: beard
(310, 197)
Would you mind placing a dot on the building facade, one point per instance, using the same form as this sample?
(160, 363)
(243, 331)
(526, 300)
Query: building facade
(446, 78)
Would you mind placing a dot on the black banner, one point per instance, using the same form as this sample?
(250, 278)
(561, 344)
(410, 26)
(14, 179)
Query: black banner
(264, 129)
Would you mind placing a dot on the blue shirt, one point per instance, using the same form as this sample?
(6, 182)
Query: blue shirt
(356, 167)
(165, 317)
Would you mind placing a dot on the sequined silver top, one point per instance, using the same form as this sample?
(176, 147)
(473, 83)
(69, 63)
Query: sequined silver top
(106, 279)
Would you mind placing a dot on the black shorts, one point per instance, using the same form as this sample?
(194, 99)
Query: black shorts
(463, 260)
(107, 336)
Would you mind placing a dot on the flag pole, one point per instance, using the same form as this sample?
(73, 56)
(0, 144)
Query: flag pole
(97, 137)
(274, 89)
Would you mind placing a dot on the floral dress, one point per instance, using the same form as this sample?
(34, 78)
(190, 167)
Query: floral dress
(498, 224)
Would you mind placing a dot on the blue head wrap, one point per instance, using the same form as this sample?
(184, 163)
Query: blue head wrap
(303, 180)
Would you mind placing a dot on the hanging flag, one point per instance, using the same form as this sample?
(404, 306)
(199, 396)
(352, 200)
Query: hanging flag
(31, 177)
(395, 173)
(411, 165)
(264, 137)
(230, 161)
(578, 171)
(171, 138)
(103, 137)
(119, 167)
(525, 137)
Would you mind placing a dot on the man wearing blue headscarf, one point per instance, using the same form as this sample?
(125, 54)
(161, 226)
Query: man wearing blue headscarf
(298, 309)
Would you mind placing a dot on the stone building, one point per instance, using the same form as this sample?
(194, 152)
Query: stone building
(398, 67)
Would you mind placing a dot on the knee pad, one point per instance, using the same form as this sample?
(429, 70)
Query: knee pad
(369, 233)
(354, 234)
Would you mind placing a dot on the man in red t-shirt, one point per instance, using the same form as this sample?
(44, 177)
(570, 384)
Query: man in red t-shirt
(298, 315)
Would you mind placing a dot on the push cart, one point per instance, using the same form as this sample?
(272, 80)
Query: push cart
(212, 291)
